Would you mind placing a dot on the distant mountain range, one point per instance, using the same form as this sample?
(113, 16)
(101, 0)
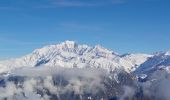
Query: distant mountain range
(80, 72)
(70, 54)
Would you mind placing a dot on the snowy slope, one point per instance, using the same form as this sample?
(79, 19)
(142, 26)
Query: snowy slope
(160, 61)
(135, 60)
(70, 54)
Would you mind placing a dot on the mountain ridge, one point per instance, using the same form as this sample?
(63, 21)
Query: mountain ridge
(70, 54)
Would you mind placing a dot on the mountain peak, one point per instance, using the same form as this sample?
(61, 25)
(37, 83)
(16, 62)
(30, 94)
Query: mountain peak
(69, 44)
(70, 54)
(167, 53)
(99, 48)
(162, 53)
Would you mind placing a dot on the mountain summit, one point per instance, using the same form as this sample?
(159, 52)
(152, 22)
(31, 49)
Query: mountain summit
(69, 54)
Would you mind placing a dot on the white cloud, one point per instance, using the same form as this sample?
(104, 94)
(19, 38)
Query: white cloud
(72, 4)
(45, 79)
(79, 3)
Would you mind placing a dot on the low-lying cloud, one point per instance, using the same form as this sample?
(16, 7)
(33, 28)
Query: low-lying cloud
(56, 83)
(49, 83)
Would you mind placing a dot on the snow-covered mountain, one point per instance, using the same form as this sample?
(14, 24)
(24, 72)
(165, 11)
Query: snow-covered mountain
(70, 54)
(80, 72)
(160, 61)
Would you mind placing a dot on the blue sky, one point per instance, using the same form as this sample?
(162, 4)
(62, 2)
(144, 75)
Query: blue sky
(121, 25)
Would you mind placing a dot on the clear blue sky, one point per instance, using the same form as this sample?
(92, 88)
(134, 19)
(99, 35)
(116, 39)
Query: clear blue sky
(121, 25)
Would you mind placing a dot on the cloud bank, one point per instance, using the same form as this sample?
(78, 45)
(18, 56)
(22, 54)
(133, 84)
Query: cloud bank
(49, 83)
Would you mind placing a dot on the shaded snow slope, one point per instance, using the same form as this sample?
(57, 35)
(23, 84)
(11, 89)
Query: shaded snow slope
(160, 61)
